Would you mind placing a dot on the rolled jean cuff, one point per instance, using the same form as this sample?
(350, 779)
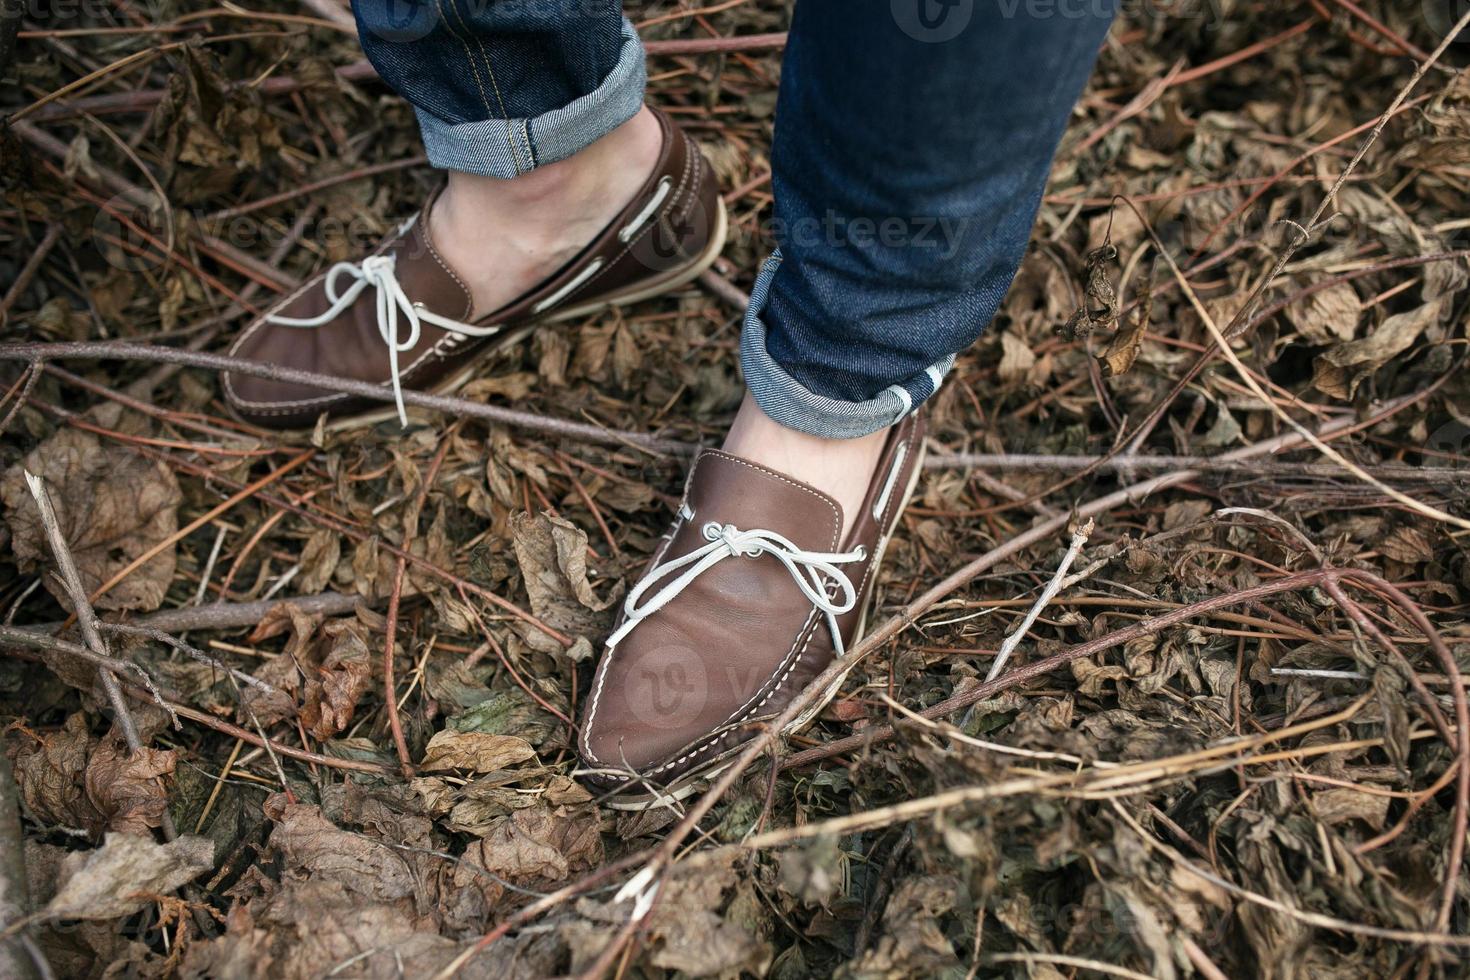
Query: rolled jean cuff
(790, 403)
(511, 147)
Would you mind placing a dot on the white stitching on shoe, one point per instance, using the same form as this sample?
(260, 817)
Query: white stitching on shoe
(325, 401)
(788, 661)
(428, 237)
(867, 573)
(641, 218)
(379, 273)
(719, 732)
(683, 183)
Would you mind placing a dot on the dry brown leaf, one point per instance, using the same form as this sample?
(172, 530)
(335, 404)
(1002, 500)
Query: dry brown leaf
(318, 561)
(812, 873)
(1122, 350)
(113, 506)
(310, 844)
(1101, 306)
(283, 672)
(312, 929)
(912, 943)
(691, 929)
(1016, 359)
(540, 843)
(693, 937)
(1409, 545)
(475, 751)
(339, 683)
(1339, 371)
(127, 788)
(1341, 804)
(484, 806)
(268, 706)
(124, 874)
(286, 616)
(50, 776)
(513, 387)
(1329, 316)
(552, 554)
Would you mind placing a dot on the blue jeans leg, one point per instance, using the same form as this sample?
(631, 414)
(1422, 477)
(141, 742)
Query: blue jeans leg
(913, 141)
(501, 87)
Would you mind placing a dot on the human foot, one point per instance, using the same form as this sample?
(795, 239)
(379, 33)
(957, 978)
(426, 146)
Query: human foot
(754, 592)
(840, 468)
(505, 236)
(407, 317)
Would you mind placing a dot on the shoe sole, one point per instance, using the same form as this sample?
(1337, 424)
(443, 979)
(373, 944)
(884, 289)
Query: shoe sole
(699, 779)
(636, 293)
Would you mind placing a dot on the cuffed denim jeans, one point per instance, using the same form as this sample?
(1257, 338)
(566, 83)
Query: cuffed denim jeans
(913, 141)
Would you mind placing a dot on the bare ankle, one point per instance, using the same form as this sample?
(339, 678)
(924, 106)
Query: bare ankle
(840, 468)
(621, 160)
(504, 236)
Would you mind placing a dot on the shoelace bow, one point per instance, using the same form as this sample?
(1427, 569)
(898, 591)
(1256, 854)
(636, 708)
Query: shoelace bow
(378, 272)
(810, 570)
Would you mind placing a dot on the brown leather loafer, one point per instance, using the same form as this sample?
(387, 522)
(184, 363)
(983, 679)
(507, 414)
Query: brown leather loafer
(400, 317)
(749, 597)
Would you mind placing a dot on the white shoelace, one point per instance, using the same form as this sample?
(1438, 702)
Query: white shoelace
(810, 569)
(378, 272)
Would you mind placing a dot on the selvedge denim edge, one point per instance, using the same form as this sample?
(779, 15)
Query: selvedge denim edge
(510, 147)
(790, 403)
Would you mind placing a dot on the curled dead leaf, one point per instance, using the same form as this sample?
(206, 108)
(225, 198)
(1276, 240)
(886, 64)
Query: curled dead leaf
(312, 845)
(113, 507)
(318, 561)
(339, 683)
(124, 874)
(552, 554)
(1101, 306)
(1122, 350)
(540, 843)
(1339, 371)
(1328, 316)
(50, 776)
(474, 751)
(127, 788)
(1409, 545)
(1016, 359)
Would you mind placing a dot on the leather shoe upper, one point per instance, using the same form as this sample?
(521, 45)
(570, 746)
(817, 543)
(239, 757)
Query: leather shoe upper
(669, 225)
(726, 636)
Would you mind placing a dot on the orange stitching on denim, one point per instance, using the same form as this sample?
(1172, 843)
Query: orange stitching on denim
(469, 55)
(510, 141)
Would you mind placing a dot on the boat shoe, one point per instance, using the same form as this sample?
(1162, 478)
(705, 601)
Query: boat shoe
(401, 317)
(749, 597)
